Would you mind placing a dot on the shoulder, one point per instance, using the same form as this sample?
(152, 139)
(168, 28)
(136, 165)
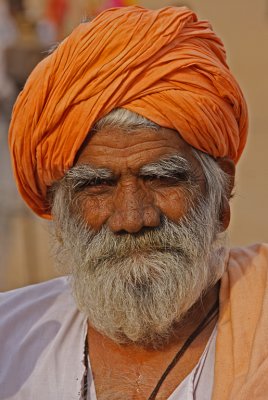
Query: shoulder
(24, 311)
(33, 297)
(40, 326)
(56, 284)
(249, 266)
(251, 257)
(251, 254)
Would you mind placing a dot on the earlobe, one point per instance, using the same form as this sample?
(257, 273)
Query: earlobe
(225, 214)
(228, 166)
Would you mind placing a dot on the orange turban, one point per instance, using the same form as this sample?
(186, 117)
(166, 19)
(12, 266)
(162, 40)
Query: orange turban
(165, 65)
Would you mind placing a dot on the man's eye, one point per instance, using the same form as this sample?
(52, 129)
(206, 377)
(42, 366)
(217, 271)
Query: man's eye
(100, 182)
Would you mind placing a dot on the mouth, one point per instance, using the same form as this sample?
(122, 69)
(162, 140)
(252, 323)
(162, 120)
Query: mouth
(138, 254)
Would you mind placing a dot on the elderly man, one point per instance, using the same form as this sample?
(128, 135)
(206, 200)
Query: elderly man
(127, 136)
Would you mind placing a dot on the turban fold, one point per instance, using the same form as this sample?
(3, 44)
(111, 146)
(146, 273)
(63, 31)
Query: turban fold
(165, 65)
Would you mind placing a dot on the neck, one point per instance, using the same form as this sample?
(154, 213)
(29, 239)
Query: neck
(133, 371)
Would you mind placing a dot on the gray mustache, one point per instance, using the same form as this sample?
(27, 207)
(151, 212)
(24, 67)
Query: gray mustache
(168, 238)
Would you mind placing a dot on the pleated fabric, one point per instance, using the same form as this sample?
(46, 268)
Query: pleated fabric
(164, 64)
(241, 364)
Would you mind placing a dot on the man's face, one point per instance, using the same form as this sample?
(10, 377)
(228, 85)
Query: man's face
(134, 195)
(139, 233)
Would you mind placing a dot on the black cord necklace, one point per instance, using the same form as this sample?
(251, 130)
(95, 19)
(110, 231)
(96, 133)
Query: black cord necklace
(203, 324)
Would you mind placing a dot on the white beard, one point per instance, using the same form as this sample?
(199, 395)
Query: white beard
(135, 288)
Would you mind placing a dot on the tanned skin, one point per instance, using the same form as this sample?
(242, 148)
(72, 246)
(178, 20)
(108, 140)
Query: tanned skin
(131, 204)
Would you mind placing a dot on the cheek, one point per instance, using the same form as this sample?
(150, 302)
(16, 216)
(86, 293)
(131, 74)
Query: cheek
(95, 210)
(173, 203)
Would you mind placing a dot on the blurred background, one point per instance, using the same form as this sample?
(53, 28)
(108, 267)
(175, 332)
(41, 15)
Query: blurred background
(28, 28)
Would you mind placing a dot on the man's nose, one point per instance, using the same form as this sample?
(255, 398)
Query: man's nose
(133, 209)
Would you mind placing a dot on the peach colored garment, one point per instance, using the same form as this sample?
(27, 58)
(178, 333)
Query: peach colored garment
(163, 64)
(241, 369)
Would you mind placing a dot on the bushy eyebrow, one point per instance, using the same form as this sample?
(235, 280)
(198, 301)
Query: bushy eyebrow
(79, 175)
(174, 166)
(168, 167)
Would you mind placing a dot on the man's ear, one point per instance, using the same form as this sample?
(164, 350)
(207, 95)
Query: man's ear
(228, 166)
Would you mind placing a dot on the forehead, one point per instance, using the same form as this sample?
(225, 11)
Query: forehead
(117, 149)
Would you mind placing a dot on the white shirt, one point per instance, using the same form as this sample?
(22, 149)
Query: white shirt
(42, 343)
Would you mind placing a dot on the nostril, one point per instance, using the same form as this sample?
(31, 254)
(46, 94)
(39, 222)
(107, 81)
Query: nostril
(141, 232)
(122, 232)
